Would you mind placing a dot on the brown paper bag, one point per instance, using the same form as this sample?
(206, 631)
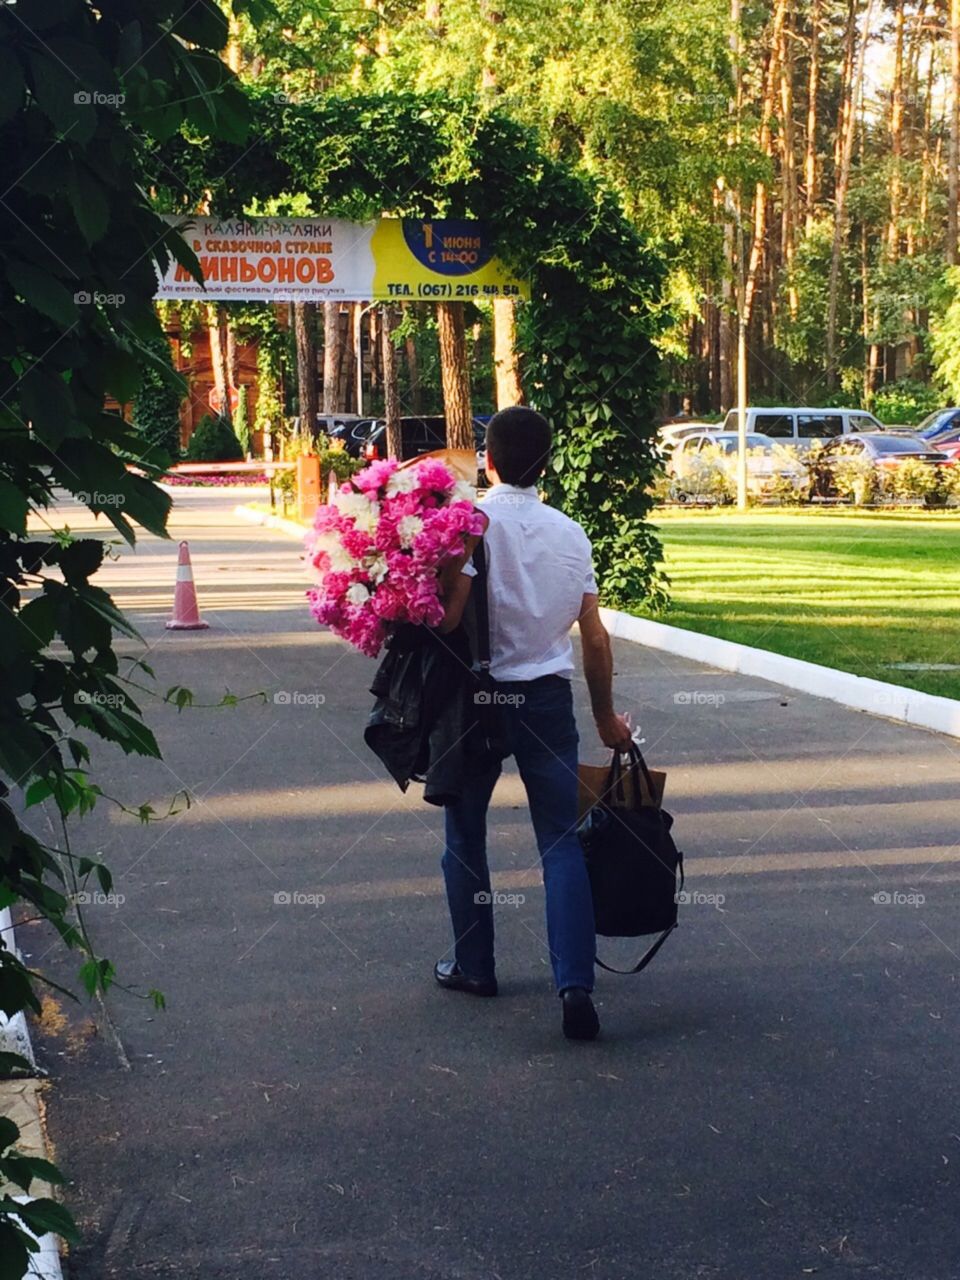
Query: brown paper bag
(594, 786)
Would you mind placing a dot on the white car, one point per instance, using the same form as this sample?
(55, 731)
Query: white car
(704, 464)
(672, 432)
(804, 428)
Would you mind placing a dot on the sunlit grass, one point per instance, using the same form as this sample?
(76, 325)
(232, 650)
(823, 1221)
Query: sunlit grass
(856, 591)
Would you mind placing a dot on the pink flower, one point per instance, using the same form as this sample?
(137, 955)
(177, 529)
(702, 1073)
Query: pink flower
(370, 580)
(435, 476)
(375, 476)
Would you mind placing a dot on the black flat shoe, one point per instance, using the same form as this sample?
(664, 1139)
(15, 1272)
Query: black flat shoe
(580, 1021)
(447, 973)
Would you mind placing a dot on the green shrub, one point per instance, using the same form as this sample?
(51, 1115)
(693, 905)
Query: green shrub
(951, 485)
(214, 440)
(708, 478)
(241, 420)
(906, 402)
(156, 405)
(855, 478)
(916, 481)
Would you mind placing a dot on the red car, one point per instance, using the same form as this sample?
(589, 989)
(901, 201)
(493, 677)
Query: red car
(949, 444)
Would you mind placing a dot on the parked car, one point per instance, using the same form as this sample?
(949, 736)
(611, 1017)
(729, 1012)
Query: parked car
(938, 425)
(886, 452)
(420, 435)
(805, 428)
(697, 459)
(948, 444)
(672, 432)
(326, 423)
(353, 435)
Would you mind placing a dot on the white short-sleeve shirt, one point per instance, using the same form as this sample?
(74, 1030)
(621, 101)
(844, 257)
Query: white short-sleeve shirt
(539, 567)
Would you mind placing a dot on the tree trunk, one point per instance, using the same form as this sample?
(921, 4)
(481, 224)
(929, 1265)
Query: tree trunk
(926, 156)
(788, 225)
(896, 136)
(765, 143)
(415, 390)
(391, 391)
(953, 155)
(305, 333)
(506, 366)
(851, 95)
(218, 328)
(845, 110)
(332, 354)
(375, 348)
(725, 353)
(455, 375)
(810, 167)
(870, 349)
(345, 388)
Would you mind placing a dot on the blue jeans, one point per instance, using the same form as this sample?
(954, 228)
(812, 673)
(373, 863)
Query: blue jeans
(541, 733)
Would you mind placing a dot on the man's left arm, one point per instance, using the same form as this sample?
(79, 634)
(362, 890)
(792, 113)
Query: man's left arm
(455, 586)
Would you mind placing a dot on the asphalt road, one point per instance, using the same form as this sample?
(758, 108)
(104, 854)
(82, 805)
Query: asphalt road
(773, 1098)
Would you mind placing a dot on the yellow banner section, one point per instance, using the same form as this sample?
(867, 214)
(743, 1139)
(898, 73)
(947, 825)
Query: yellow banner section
(443, 260)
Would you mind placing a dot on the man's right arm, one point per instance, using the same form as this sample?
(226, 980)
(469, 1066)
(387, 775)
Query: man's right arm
(613, 729)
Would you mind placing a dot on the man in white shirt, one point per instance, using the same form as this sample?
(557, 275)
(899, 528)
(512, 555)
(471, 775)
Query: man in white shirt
(540, 581)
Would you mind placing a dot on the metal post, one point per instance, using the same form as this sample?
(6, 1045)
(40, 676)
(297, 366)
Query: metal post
(741, 413)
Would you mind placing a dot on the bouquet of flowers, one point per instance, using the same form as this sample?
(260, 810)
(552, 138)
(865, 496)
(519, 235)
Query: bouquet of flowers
(379, 545)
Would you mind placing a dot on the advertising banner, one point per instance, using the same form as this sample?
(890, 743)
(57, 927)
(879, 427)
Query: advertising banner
(328, 259)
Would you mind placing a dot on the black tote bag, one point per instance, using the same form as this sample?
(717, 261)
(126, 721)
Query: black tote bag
(635, 868)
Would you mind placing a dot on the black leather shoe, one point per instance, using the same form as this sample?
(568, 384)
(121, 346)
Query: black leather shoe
(580, 1021)
(447, 973)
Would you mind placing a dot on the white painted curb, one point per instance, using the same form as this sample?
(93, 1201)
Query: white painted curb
(15, 1038)
(45, 1264)
(252, 516)
(925, 710)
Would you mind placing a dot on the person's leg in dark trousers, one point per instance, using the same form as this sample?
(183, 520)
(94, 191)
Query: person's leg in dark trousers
(467, 876)
(545, 745)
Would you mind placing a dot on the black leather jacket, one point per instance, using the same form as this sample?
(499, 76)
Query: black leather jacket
(425, 724)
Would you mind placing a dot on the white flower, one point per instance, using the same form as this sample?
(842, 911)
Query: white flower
(358, 594)
(407, 529)
(376, 567)
(402, 482)
(341, 561)
(364, 511)
(463, 492)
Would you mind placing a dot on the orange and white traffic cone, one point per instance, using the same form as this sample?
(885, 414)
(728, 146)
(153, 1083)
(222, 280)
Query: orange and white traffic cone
(186, 612)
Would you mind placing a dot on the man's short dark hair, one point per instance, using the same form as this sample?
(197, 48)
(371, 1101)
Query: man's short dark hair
(518, 445)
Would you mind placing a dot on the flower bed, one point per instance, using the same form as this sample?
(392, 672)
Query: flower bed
(219, 481)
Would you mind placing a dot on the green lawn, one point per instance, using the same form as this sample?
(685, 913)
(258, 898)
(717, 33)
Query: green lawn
(856, 591)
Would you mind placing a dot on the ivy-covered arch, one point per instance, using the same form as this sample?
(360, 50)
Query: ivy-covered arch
(586, 335)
